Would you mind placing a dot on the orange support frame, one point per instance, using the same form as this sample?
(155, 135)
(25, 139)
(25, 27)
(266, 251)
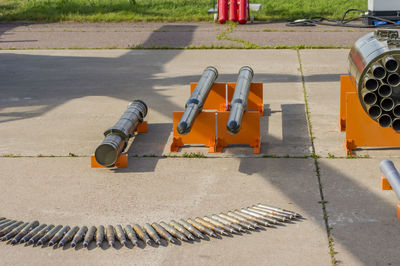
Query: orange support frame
(122, 161)
(202, 132)
(249, 133)
(209, 127)
(361, 130)
(385, 185)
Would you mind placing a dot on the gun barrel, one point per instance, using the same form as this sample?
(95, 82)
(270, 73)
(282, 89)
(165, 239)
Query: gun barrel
(116, 137)
(239, 100)
(196, 101)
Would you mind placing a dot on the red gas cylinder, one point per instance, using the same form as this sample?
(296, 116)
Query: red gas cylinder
(233, 6)
(222, 10)
(243, 11)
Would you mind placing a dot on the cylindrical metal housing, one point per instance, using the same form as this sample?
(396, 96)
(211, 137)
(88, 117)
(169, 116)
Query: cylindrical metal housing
(222, 11)
(196, 101)
(374, 64)
(131, 234)
(79, 236)
(117, 137)
(233, 10)
(68, 236)
(42, 233)
(28, 236)
(120, 235)
(49, 235)
(239, 100)
(100, 232)
(142, 234)
(89, 236)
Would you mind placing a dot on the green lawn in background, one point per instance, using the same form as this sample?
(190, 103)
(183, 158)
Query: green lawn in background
(163, 10)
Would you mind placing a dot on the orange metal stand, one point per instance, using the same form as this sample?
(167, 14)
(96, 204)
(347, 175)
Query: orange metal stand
(122, 161)
(203, 131)
(209, 127)
(361, 130)
(385, 185)
(246, 135)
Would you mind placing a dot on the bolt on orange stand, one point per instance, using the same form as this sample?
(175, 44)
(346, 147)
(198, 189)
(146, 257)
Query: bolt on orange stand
(361, 130)
(209, 127)
(385, 185)
(122, 161)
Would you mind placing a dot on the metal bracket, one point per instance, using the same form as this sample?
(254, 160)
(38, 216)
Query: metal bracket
(386, 34)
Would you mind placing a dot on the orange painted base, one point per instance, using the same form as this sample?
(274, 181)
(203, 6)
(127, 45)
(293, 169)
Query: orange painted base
(122, 162)
(398, 211)
(385, 185)
(143, 127)
(361, 130)
(249, 133)
(202, 132)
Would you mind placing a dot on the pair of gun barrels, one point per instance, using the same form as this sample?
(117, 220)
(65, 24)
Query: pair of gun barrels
(237, 107)
(18, 232)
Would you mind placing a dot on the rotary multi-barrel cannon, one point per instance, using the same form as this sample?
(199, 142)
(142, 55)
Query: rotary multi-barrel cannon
(370, 95)
(374, 63)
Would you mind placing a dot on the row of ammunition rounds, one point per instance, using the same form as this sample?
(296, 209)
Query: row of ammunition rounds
(232, 222)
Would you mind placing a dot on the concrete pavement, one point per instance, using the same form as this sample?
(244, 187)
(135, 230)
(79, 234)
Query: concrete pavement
(57, 102)
(177, 35)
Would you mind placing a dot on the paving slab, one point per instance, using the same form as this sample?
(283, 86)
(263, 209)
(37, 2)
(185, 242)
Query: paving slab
(363, 216)
(28, 35)
(67, 191)
(56, 102)
(71, 35)
(322, 70)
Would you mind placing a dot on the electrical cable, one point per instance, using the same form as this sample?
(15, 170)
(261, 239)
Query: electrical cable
(343, 22)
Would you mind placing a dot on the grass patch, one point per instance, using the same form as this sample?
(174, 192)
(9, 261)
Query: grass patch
(193, 155)
(323, 201)
(163, 10)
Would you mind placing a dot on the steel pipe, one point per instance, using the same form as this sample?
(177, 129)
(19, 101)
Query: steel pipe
(196, 101)
(374, 111)
(396, 124)
(239, 101)
(117, 137)
(370, 98)
(385, 120)
(387, 104)
(378, 71)
(392, 175)
(391, 64)
(384, 91)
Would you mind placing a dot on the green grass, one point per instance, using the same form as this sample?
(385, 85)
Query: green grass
(162, 10)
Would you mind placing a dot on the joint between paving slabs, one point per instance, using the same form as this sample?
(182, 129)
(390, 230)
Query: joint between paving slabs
(323, 202)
